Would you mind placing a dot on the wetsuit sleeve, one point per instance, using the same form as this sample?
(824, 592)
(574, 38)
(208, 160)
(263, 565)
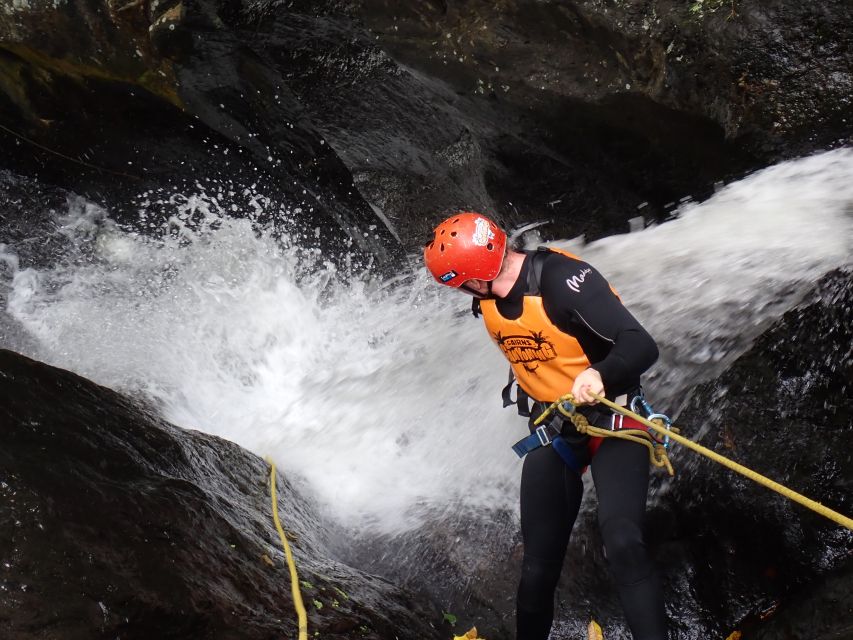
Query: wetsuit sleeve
(580, 302)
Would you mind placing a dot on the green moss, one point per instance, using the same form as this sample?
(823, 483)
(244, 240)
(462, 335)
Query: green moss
(159, 82)
(701, 8)
(12, 84)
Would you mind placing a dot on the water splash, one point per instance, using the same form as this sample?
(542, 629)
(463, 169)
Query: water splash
(381, 398)
(708, 282)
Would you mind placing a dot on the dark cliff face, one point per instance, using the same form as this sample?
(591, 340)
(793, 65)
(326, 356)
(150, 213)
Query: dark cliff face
(363, 112)
(775, 72)
(158, 97)
(784, 410)
(604, 105)
(116, 524)
(359, 112)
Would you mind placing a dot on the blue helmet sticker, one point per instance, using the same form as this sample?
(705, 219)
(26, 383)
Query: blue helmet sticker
(447, 277)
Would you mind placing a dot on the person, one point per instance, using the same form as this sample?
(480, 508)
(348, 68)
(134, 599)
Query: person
(563, 329)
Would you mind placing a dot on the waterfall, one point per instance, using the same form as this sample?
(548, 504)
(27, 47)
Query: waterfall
(381, 397)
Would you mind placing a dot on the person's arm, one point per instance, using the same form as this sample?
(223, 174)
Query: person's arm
(579, 301)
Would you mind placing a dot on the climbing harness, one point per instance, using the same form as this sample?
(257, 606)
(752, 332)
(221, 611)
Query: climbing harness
(301, 615)
(624, 425)
(660, 426)
(545, 435)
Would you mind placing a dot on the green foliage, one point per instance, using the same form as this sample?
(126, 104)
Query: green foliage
(701, 8)
(448, 617)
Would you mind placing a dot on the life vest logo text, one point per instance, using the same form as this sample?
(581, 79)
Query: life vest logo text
(522, 349)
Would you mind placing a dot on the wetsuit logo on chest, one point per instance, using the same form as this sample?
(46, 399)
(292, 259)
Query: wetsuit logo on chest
(526, 349)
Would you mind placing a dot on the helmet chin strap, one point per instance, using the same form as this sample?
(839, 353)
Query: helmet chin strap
(471, 291)
(477, 294)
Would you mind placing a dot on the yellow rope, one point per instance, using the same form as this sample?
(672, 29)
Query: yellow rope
(294, 578)
(657, 452)
(817, 507)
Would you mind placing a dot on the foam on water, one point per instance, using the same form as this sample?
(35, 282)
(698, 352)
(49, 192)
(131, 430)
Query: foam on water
(706, 283)
(382, 398)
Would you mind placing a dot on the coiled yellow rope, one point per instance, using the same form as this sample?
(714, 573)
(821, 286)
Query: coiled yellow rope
(301, 615)
(673, 434)
(657, 452)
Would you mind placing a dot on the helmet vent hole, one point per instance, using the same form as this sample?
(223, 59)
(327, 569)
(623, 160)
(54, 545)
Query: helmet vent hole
(442, 232)
(455, 221)
(490, 246)
(442, 247)
(452, 234)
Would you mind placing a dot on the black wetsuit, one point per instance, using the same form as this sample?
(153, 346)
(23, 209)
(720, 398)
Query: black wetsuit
(578, 300)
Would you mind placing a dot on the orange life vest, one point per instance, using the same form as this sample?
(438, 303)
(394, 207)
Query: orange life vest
(544, 359)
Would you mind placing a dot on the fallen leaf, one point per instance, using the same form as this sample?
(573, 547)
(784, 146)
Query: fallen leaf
(593, 631)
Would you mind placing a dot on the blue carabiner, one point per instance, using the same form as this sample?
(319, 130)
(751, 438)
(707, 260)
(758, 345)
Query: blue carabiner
(645, 406)
(667, 423)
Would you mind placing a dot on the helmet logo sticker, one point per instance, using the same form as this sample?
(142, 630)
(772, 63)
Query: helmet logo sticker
(482, 233)
(526, 349)
(447, 277)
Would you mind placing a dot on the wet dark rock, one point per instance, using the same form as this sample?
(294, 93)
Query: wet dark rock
(160, 97)
(825, 612)
(425, 130)
(114, 523)
(784, 410)
(578, 112)
(776, 72)
(469, 563)
(372, 112)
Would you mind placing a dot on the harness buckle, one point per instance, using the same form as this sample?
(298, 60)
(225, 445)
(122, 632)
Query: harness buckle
(542, 433)
(617, 417)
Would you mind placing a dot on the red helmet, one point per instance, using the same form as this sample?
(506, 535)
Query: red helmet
(466, 245)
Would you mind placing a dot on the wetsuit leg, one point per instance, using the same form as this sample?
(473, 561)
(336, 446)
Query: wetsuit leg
(620, 470)
(550, 498)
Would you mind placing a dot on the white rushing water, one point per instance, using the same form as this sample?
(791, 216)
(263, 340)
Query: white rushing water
(382, 399)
